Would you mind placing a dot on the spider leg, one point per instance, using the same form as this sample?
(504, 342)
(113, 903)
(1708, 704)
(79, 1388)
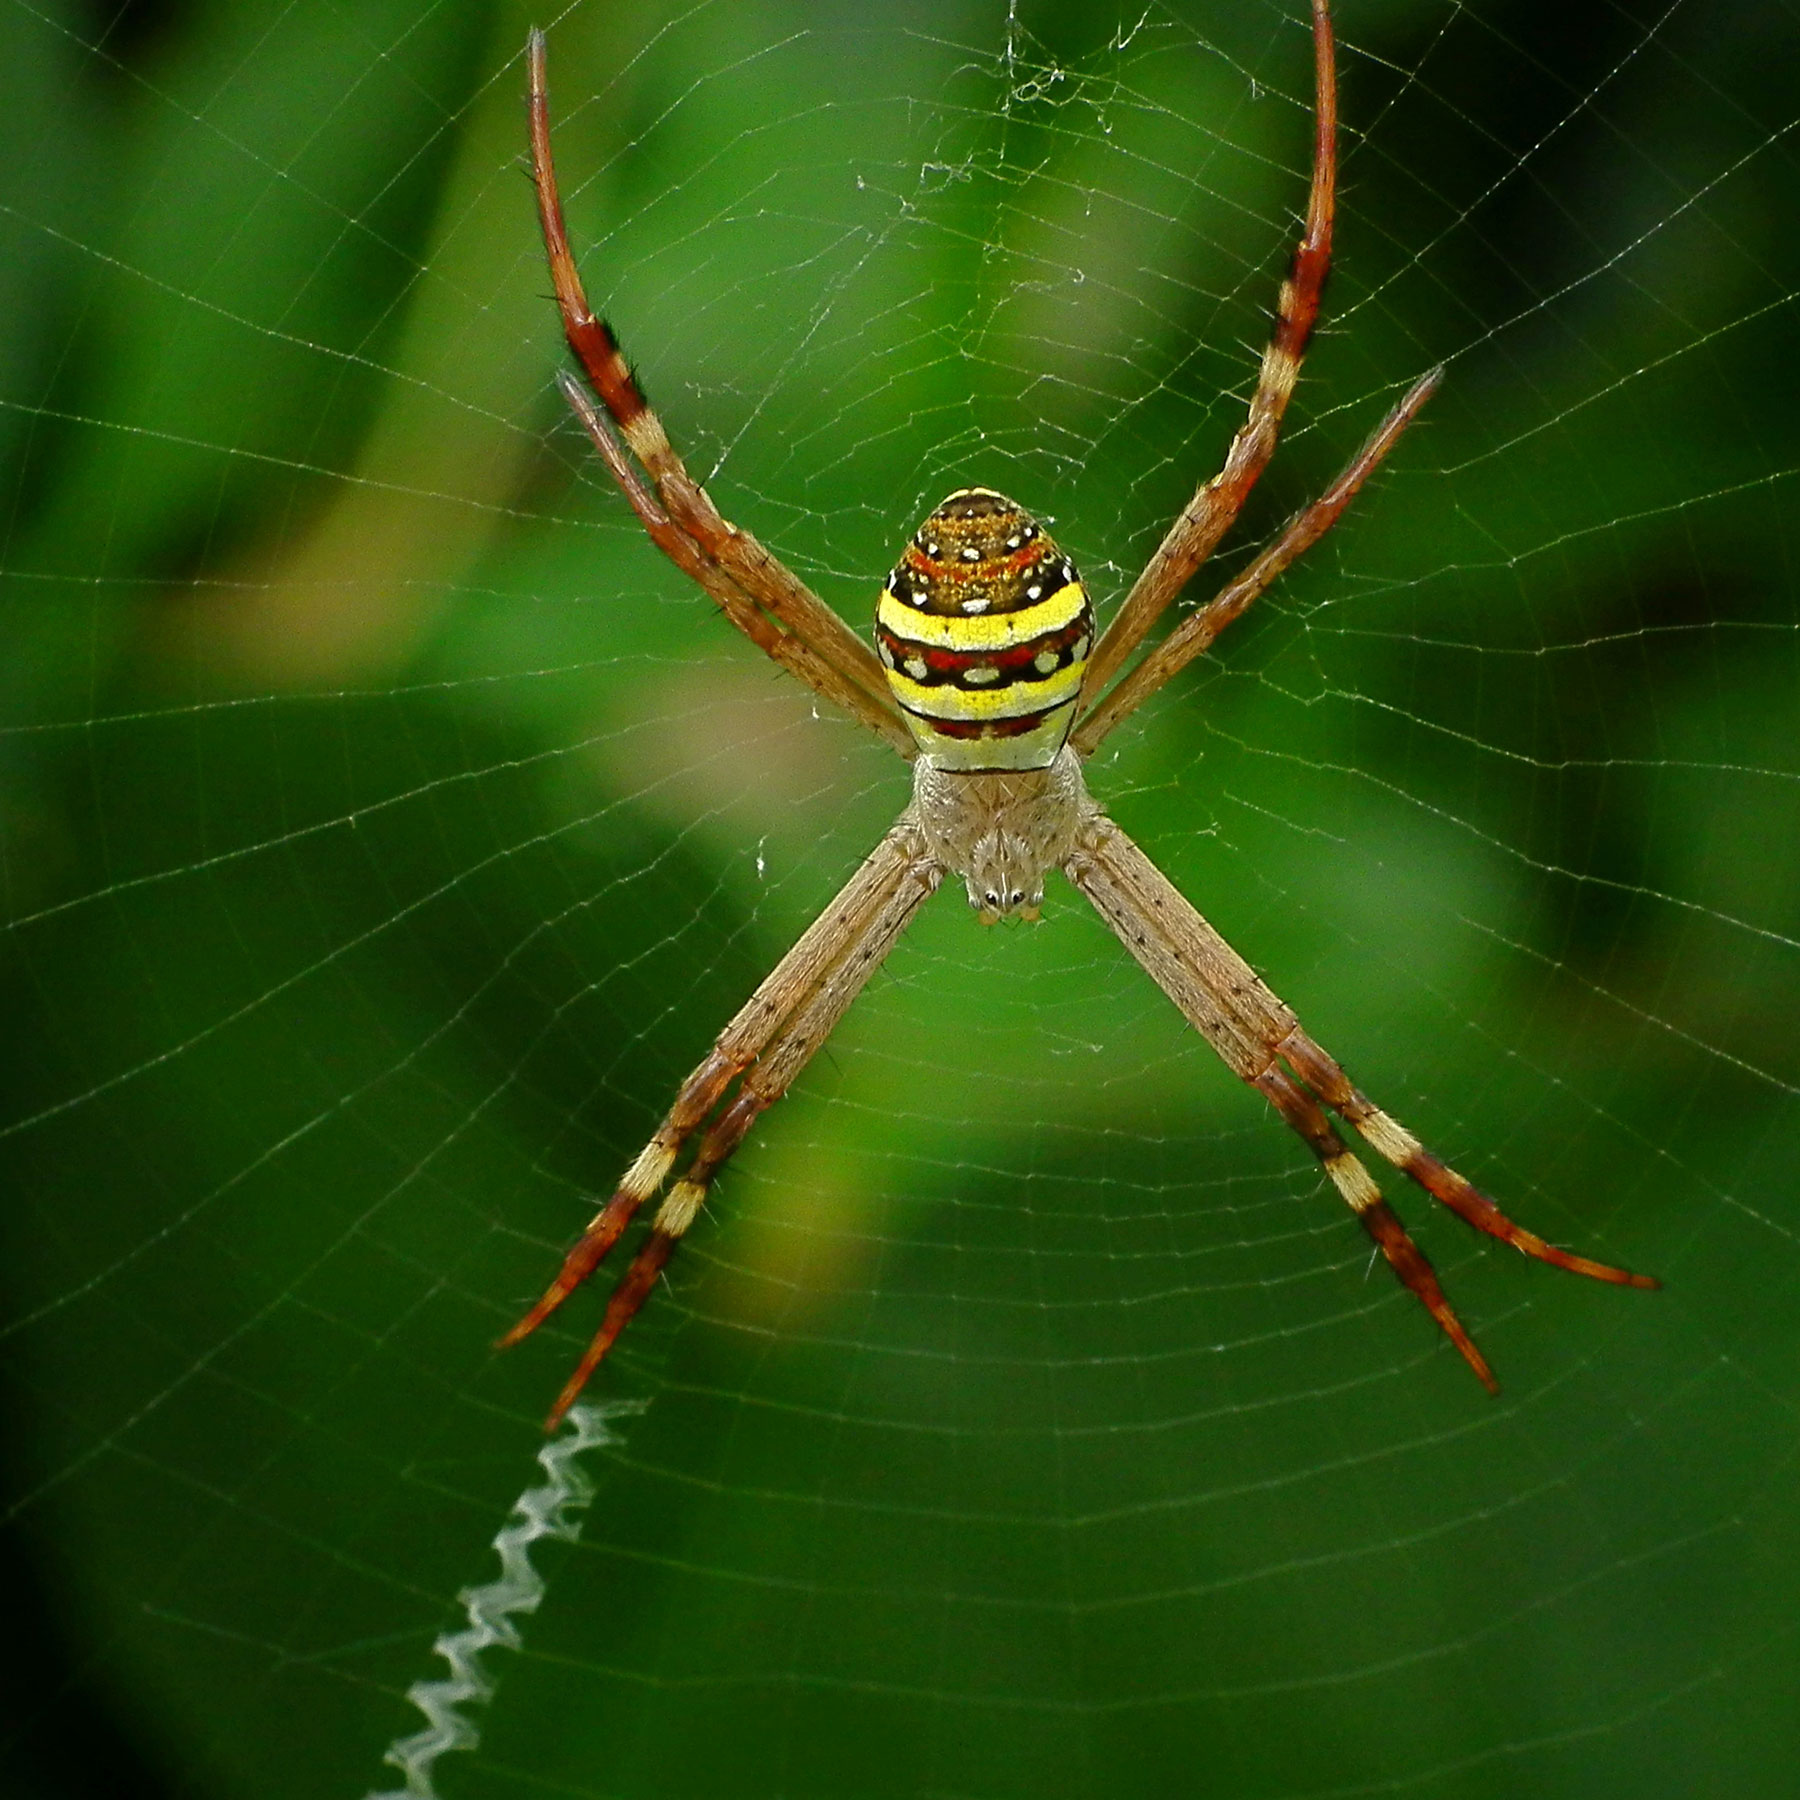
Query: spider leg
(764, 1048)
(1253, 1032)
(1197, 631)
(1393, 1141)
(1208, 515)
(785, 647)
(780, 997)
(1363, 1197)
(757, 578)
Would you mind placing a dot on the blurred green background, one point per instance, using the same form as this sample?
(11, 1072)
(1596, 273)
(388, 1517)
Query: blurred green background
(386, 829)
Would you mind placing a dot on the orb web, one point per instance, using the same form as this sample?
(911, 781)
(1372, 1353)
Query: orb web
(386, 830)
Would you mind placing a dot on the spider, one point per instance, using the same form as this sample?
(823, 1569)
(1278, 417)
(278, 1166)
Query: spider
(988, 678)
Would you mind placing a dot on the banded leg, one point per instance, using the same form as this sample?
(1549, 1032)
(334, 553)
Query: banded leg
(763, 1048)
(1390, 1139)
(743, 575)
(1208, 515)
(785, 647)
(786, 989)
(1197, 631)
(1357, 1186)
(1254, 1032)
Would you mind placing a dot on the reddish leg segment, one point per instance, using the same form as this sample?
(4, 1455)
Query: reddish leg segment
(1254, 1032)
(738, 571)
(1208, 516)
(763, 1049)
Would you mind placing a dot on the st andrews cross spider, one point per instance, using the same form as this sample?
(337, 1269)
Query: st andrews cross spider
(987, 677)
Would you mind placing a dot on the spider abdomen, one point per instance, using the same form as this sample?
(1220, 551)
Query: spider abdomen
(984, 629)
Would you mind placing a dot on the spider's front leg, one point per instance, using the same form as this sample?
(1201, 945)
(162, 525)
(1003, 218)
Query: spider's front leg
(1255, 1033)
(763, 1049)
(1390, 1139)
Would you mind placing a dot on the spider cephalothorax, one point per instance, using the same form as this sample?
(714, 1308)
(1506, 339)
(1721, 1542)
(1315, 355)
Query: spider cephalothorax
(1001, 830)
(988, 677)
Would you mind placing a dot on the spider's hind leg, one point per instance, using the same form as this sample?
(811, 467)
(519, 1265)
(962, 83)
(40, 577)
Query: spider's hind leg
(758, 593)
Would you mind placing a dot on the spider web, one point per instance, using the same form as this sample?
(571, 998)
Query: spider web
(387, 829)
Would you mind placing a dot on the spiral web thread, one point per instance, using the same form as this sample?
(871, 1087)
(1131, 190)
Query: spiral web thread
(552, 1509)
